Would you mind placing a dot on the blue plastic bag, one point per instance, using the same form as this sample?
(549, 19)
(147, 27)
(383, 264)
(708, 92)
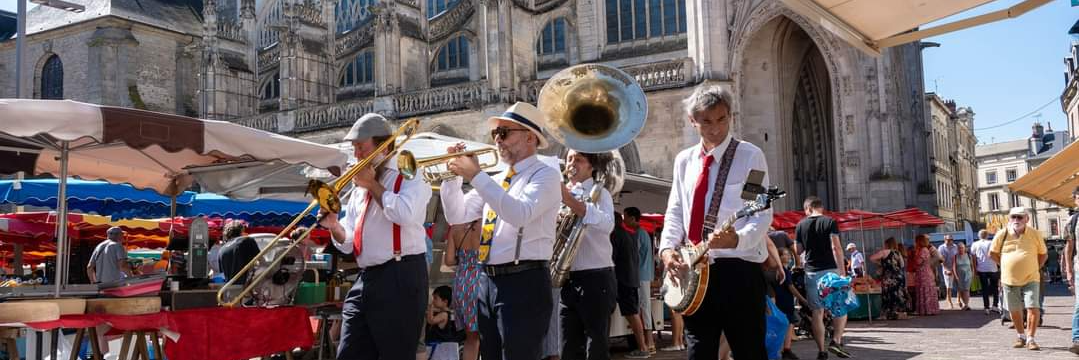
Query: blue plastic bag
(776, 326)
(836, 294)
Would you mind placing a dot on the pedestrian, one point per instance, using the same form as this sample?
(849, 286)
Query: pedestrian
(947, 251)
(108, 262)
(961, 267)
(1021, 253)
(988, 272)
(911, 258)
(818, 236)
(647, 266)
(857, 261)
(785, 296)
(892, 279)
(462, 251)
(627, 272)
(925, 277)
(1071, 233)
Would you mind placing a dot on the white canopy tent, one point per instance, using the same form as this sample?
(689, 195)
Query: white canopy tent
(871, 25)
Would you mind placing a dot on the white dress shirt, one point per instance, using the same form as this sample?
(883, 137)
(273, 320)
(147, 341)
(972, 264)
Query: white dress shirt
(532, 201)
(595, 249)
(752, 231)
(407, 208)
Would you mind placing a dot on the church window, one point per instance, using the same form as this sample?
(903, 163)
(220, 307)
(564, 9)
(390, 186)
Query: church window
(437, 7)
(629, 20)
(52, 79)
(552, 38)
(453, 55)
(272, 88)
(352, 13)
(359, 71)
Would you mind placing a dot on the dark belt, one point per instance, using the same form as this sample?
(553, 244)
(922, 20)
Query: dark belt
(590, 271)
(404, 258)
(511, 268)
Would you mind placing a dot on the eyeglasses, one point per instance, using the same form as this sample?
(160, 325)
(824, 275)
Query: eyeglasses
(503, 132)
(1017, 217)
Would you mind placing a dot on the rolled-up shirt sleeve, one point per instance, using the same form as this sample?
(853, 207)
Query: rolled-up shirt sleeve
(523, 206)
(752, 231)
(348, 220)
(600, 214)
(673, 227)
(459, 207)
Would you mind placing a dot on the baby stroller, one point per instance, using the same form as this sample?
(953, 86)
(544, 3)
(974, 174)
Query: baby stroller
(804, 327)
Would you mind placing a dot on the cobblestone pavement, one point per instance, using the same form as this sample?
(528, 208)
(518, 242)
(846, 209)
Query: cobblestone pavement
(951, 335)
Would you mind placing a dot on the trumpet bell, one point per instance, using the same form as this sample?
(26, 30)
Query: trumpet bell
(593, 108)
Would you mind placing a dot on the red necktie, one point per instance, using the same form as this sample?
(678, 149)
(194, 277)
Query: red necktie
(357, 238)
(696, 217)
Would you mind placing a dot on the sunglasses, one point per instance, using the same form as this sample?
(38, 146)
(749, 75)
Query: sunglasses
(503, 132)
(1017, 217)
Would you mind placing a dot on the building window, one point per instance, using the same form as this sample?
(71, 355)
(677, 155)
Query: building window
(994, 201)
(453, 55)
(351, 13)
(272, 88)
(1011, 174)
(990, 177)
(1013, 200)
(359, 71)
(52, 79)
(437, 7)
(629, 20)
(552, 38)
(1054, 227)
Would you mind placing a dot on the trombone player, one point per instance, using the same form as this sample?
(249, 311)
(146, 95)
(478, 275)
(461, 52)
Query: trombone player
(383, 228)
(588, 296)
(519, 212)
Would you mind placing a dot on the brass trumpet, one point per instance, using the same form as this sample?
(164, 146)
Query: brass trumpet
(326, 198)
(435, 168)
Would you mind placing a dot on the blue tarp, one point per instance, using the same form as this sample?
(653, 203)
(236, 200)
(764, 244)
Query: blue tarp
(257, 212)
(100, 197)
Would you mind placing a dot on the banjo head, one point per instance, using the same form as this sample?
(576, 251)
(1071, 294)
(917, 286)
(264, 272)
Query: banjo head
(685, 291)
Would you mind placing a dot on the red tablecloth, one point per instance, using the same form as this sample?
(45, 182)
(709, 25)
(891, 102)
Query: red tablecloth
(237, 333)
(211, 333)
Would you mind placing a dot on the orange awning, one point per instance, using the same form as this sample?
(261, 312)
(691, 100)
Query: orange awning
(1054, 180)
(871, 25)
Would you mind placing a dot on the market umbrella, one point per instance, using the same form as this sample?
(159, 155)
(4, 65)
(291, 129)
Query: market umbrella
(91, 196)
(146, 149)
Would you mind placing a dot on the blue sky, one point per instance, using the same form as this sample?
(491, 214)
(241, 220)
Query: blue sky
(1002, 70)
(1006, 69)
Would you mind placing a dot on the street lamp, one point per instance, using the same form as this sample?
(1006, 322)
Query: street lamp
(20, 39)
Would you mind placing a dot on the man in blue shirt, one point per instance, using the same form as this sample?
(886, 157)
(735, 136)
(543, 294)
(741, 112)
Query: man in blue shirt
(647, 270)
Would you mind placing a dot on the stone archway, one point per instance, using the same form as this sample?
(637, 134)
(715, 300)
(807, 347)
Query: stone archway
(786, 107)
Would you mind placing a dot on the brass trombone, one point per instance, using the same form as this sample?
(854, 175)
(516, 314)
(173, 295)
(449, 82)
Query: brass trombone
(326, 198)
(435, 168)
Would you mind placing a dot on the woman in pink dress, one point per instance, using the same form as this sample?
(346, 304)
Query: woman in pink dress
(926, 285)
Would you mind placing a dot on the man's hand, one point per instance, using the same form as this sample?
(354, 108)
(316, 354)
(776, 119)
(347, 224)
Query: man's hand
(781, 275)
(365, 178)
(672, 261)
(723, 239)
(464, 166)
(329, 219)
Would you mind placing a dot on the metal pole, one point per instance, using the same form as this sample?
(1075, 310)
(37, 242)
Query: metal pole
(20, 41)
(60, 276)
(865, 267)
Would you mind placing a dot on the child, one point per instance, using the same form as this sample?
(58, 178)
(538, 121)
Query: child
(785, 294)
(441, 333)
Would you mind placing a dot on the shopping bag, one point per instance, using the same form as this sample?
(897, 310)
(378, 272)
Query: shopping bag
(836, 294)
(775, 329)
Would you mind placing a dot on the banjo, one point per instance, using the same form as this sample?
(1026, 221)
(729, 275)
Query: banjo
(685, 291)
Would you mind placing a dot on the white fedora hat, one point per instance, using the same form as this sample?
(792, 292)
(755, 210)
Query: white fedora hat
(526, 115)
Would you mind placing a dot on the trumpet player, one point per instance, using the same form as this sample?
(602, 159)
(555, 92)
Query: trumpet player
(383, 228)
(588, 296)
(517, 235)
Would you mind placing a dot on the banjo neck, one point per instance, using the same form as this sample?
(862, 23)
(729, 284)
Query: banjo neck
(701, 248)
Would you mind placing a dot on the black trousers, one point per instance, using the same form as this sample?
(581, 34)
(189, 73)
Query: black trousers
(588, 299)
(384, 312)
(734, 305)
(990, 282)
(514, 314)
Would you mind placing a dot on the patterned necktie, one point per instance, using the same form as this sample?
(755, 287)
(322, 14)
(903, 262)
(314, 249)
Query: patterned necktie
(696, 217)
(357, 237)
(489, 220)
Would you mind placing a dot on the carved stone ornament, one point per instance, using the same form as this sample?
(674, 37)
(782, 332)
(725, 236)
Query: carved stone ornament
(357, 38)
(445, 24)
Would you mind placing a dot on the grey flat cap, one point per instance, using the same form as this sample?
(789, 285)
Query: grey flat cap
(115, 233)
(368, 126)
